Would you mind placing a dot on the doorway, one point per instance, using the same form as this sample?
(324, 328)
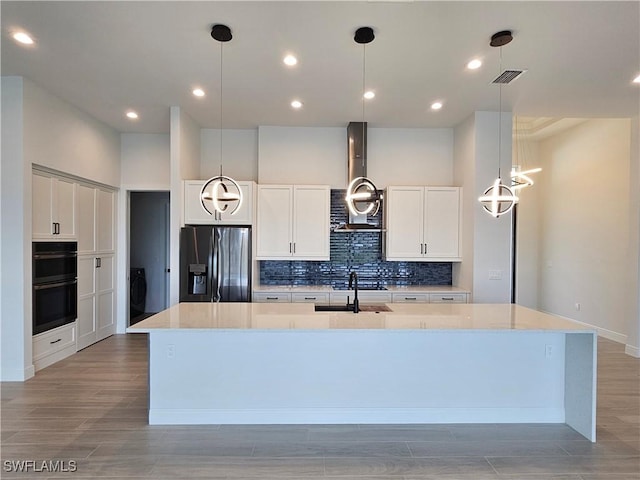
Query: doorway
(148, 254)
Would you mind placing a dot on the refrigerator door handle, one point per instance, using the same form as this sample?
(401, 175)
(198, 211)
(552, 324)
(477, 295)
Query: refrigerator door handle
(216, 266)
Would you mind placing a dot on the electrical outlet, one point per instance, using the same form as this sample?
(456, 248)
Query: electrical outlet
(548, 351)
(495, 274)
(171, 351)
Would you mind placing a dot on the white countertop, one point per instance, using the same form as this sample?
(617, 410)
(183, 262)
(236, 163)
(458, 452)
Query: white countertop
(301, 316)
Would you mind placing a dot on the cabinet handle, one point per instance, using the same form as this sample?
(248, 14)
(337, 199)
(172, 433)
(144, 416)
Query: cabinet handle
(310, 298)
(447, 298)
(294, 247)
(98, 262)
(421, 248)
(410, 298)
(425, 248)
(272, 298)
(290, 249)
(55, 341)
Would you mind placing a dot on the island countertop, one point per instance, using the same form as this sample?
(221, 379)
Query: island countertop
(301, 316)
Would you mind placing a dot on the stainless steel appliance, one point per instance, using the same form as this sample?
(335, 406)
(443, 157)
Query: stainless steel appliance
(55, 284)
(215, 264)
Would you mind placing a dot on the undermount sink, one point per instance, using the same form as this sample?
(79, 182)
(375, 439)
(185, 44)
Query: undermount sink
(375, 308)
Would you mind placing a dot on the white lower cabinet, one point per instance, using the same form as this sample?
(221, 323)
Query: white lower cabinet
(310, 298)
(410, 298)
(54, 345)
(96, 298)
(448, 298)
(263, 297)
(364, 297)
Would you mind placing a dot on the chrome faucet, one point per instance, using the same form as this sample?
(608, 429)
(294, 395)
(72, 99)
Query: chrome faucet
(353, 283)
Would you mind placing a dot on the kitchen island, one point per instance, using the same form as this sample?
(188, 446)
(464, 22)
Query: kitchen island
(232, 363)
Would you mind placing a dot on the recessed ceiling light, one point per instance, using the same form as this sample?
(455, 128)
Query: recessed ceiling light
(474, 64)
(637, 79)
(369, 94)
(198, 92)
(436, 105)
(290, 60)
(296, 104)
(23, 38)
(132, 115)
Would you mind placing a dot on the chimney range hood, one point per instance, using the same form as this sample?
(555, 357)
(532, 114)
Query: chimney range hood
(357, 167)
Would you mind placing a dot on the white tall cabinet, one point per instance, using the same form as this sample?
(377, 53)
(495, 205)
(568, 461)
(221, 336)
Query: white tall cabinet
(423, 223)
(293, 222)
(96, 264)
(54, 206)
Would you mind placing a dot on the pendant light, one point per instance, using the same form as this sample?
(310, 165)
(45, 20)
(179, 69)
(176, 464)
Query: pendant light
(499, 199)
(519, 173)
(362, 196)
(221, 194)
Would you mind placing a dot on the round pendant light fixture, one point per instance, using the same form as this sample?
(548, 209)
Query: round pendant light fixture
(221, 194)
(362, 195)
(499, 199)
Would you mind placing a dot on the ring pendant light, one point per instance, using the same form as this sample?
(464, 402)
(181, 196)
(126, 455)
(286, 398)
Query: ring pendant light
(499, 199)
(519, 173)
(362, 195)
(221, 194)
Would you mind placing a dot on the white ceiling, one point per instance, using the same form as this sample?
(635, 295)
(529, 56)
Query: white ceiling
(106, 57)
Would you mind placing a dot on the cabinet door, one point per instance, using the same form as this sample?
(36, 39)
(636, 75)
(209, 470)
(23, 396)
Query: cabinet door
(442, 221)
(274, 222)
(105, 221)
(244, 215)
(65, 208)
(194, 214)
(105, 297)
(42, 205)
(405, 223)
(86, 220)
(86, 301)
(311, 222)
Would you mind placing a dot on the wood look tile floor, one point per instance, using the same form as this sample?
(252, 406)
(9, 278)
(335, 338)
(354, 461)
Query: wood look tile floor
(91, 408)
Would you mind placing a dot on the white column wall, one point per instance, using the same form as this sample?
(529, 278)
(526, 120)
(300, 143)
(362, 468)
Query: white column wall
(15, 236)
(633, 327)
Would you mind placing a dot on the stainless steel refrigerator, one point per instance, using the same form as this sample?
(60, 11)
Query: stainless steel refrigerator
(215, 264)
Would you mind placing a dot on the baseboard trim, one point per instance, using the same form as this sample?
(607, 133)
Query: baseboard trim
(602, 332)
(160, 416)
(631, 350)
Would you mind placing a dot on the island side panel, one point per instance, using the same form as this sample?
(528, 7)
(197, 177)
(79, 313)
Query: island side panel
(347, 376)
(580, 384)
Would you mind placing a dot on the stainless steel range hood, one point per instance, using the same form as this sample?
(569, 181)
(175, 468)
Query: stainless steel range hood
(357, 167)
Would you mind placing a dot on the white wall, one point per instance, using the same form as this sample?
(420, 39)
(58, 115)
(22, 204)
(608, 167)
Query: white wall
(15, 230)
(464, 167)
(491, 236)
(62, 137)
(584, 244)
(185, 164)
(145, 166)
(410, 156)
(239, 154)
(633, 328)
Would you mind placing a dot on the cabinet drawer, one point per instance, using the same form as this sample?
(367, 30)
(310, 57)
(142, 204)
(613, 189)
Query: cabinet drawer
(310, 297)
(448, 298)
(262, 297)
(53, 341)
(410, 298)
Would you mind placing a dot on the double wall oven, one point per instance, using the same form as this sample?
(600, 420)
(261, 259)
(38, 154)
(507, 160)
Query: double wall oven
(55, 284)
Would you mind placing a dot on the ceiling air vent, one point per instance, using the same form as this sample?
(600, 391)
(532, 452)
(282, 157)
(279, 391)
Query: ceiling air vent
(508, 76)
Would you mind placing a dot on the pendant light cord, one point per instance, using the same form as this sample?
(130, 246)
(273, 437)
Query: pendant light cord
(500, 120)
(364, 70)
(221, 52)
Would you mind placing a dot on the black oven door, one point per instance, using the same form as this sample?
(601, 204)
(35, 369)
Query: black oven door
(54, 304)
(54, 261)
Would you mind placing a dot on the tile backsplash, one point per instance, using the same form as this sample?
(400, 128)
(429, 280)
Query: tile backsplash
(354, 251)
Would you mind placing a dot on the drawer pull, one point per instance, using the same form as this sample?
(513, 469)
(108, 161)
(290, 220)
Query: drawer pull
(56, 341)
(310, 298)
(448, 298)
(272, 298)
(410, 298)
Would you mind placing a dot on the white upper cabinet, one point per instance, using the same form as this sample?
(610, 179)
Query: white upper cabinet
(53, 207)
(423, 224)
(194, 214)
(105, 231)
(293, 222)
(86, 219)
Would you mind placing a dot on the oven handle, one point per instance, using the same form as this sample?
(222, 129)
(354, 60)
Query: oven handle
(45, 256)
(53, 285)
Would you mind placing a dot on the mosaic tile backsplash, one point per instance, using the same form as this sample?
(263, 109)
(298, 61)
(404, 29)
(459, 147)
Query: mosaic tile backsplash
(354, 251)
